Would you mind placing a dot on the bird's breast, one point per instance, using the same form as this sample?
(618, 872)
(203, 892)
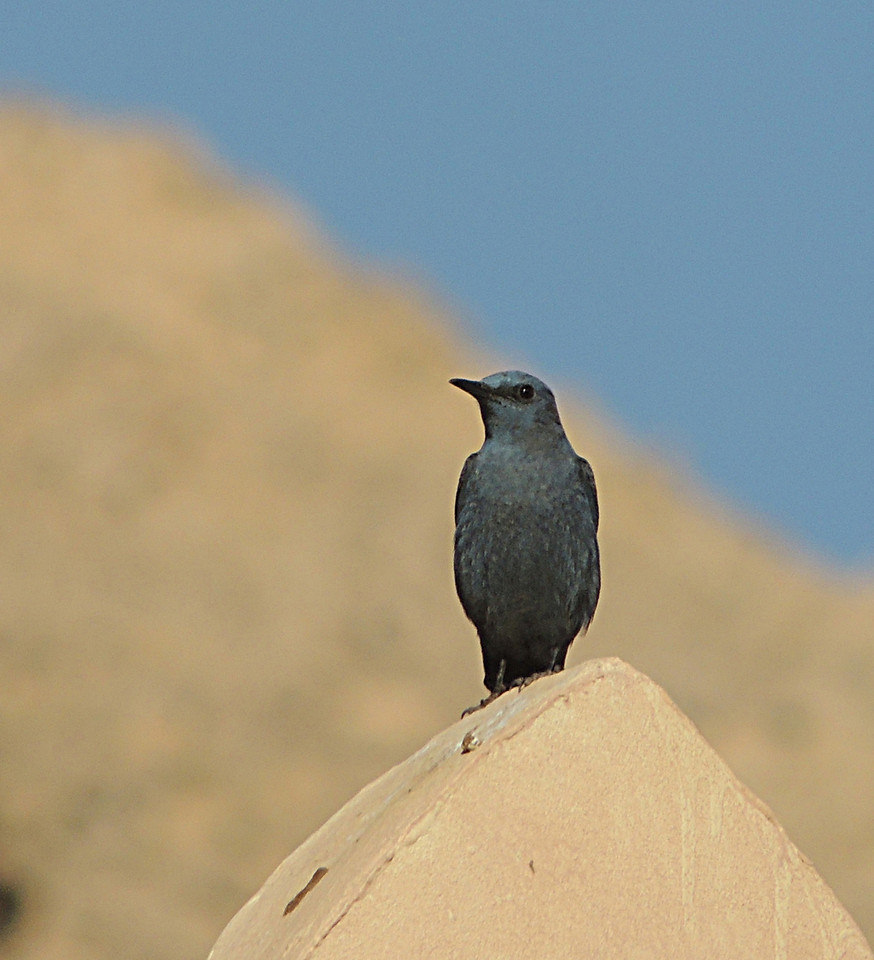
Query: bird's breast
(513, 479)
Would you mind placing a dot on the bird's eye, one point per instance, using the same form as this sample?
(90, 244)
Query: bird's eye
(525, 392)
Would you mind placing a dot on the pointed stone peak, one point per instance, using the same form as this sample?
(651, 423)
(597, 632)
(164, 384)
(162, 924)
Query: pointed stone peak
(582, 816)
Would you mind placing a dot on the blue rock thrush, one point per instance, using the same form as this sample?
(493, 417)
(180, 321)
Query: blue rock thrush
(527, 568)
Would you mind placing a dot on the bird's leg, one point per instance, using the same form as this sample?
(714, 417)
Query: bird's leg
(497, 690)
(499, 687)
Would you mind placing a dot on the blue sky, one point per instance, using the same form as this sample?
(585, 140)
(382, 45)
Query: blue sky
(670, 206)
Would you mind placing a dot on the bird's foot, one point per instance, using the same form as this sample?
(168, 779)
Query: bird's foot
(523, 682)
(483, 703)
(498, 688)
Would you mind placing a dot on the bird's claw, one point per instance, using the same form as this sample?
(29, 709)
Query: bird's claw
(523, 682)
(483, 703)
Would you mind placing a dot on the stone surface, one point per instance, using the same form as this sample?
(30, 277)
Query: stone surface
(582, 817)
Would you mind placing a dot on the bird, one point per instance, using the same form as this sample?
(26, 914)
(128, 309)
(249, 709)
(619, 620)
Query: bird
(527, 565)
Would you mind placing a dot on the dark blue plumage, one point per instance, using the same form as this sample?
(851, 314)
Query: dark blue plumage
(527, 567)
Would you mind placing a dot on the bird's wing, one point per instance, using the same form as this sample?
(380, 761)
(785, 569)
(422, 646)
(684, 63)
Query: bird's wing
(463, 483)
(588, 480)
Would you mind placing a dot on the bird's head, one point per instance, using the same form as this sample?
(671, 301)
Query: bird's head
(514, 405)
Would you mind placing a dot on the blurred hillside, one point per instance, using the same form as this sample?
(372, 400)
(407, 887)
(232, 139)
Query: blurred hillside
(226, 596)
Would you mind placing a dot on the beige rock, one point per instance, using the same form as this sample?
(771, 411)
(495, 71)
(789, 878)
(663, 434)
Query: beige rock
(582, 817)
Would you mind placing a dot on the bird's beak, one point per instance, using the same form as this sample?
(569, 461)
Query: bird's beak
(474, 387)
